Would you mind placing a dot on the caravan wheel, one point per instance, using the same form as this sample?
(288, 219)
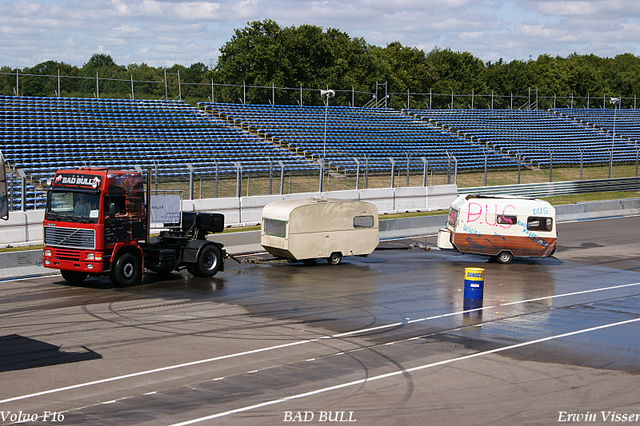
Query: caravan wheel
(504, 257)
(335, 258)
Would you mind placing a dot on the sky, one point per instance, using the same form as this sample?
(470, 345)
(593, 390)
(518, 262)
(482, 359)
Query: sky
(167, 32)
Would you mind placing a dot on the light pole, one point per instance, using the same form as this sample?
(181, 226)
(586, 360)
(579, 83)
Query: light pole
(326, 94)
(615, 102)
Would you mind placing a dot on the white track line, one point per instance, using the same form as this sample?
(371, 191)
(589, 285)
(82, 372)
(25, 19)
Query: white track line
(404, 371)
(300, 342)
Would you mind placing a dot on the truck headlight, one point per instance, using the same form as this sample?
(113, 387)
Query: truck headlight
(94, 256)
(47, 252)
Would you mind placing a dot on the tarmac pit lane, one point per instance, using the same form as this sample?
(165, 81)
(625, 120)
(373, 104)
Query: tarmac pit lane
(384, 337)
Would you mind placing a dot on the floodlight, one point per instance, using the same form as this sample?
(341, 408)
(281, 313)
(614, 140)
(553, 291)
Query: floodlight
(615, 100)
(327, 93)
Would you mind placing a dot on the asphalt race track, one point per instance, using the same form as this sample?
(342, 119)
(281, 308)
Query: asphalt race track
(382, 340)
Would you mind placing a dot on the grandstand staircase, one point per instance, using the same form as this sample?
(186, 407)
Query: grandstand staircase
(482, 146)
(245, 128)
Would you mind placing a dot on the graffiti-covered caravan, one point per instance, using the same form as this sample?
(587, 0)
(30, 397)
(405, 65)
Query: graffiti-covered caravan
(500, 226)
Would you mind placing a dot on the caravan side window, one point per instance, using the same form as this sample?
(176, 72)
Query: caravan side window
(363, 222)
(506, 220)
(535, 223)
(277, 228)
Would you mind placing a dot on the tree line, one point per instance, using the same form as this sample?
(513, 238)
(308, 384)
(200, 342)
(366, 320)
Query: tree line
(265, 62)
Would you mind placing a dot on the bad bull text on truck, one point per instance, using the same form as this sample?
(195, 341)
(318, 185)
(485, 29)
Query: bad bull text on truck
(97, 222)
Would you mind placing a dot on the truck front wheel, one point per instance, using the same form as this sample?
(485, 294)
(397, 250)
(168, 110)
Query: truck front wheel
(209, 261)
(74, 277)
(126, 271)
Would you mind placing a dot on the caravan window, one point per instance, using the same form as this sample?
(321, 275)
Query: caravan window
(363, 222)
(535, 223)
(277, 228)
(506, 220)
(453, 216)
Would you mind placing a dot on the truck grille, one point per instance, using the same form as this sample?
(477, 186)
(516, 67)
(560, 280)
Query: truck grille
(70, 237)
(72, 255)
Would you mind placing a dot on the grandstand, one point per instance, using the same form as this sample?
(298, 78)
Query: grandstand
(377, 134)
(534, 134)
(39, 135)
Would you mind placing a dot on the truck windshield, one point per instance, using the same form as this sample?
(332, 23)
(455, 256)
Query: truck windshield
(68, 206)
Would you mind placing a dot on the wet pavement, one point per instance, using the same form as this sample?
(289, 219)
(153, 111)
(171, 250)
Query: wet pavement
(387, 338)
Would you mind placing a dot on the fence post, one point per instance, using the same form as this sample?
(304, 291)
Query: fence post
(581, 161)
(321, 181)
(519, 166)
(238, 179)
(408, 165)
(23, 187)
(270, 176)
(550, 165)
(155, 175)
(448, 168)
(179, 87)
(357, 172)
(366, 171)
(11, 183)
(281, 176)
(190, 167)
(425, 171)
(393, 171)
(486, 161)
(455, 165)
(216, 188)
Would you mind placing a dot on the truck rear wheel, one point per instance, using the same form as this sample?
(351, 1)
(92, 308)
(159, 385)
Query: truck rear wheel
(126, 271)
(209, 261)
(74, 277)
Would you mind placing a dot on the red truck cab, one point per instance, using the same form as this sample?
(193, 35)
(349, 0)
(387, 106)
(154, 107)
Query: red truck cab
(93, 217)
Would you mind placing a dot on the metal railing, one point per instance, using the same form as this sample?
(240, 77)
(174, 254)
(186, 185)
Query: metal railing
(550, 189)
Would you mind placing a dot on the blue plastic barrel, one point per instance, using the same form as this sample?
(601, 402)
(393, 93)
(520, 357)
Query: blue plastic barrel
(473, 283)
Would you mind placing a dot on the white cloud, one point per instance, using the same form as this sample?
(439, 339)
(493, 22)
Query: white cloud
(161, 32)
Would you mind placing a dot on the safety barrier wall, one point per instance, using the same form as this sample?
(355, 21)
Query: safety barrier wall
(26, 227)
(550, 189)
(27, 263)
(248, 210)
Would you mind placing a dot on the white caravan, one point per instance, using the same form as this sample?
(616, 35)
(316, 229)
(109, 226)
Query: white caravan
(315, 227)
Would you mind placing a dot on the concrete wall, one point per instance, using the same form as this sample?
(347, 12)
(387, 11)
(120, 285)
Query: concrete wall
(26, 227)
(598, 209)
(248, 210)
(28, 263)
(22, 227)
